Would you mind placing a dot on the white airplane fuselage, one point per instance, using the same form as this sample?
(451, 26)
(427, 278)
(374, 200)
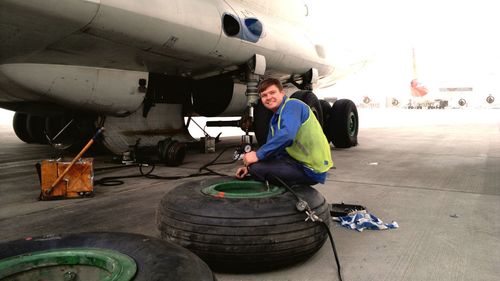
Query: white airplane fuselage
(111, 57)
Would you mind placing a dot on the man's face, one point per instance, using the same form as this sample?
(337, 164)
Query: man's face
(272, 97)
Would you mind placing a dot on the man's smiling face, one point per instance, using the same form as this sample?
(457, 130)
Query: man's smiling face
(272, 97)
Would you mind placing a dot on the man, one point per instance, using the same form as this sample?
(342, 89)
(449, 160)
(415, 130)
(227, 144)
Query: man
(296, 150)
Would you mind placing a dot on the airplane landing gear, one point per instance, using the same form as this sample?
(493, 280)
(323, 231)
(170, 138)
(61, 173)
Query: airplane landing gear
(309, 98)
(343, 124)
(62, 132)
(20, 127)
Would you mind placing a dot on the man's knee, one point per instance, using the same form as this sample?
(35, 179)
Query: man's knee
(257, 171)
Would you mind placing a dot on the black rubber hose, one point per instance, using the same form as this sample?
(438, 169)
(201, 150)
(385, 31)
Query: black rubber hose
(330, 236)
(334, 249)
(117, 180)
(287, 187)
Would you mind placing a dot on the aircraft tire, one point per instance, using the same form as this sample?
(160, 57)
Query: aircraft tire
(74, 137)
(35, 126)
(343, 124)
(152, 258)
(262, 117)
(53, 125)
(242, 234)
(325, 108)
(20, 127)
(310, 99)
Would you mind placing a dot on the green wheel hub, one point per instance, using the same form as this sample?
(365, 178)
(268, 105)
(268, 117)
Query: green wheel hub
(352, 124)
(69, 264)
(242, 189)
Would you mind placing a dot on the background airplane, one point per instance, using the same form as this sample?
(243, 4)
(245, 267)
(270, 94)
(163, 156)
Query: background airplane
(139, 67)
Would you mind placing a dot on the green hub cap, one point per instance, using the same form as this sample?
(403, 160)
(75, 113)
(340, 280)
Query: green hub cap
(69, 264)
(352, 124)
(242, 189)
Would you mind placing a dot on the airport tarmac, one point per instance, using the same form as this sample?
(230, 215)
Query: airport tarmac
(435, 172)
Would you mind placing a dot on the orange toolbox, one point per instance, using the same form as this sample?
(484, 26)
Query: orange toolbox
(77, 182)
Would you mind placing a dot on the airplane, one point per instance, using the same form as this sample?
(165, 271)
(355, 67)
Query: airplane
(137, 68)
(442, 94)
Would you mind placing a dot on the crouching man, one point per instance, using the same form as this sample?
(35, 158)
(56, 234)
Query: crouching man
(296, 150)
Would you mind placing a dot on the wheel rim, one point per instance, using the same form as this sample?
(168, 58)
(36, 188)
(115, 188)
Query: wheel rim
(242, 189)
(352, 124)
(69, 264)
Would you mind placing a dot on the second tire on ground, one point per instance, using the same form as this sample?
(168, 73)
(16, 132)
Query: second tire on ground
(241, 225)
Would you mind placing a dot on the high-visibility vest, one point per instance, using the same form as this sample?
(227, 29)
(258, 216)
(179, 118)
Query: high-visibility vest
(310, 146)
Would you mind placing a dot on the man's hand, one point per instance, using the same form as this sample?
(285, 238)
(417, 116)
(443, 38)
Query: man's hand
(241, 172)
(250, 158)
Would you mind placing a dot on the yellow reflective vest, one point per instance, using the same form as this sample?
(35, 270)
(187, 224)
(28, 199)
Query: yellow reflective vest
(310, 146)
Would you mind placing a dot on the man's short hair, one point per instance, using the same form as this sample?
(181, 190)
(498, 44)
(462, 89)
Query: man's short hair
(266, 83)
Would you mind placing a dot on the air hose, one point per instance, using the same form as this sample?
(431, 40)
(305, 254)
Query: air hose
(303, 206)
(117, 180)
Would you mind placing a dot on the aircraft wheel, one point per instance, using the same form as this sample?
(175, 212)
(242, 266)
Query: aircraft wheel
(325, 108)
(61, 139)
(343, 124)
(262, 117)
(20, 127)
(242, 226)
(310, 99)
(73, 137)
(90, 256)
(36, 128)
(53, 126)
(171, 152)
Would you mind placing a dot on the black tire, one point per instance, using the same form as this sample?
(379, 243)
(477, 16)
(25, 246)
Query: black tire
(75, 136)
(242, 234)
(19, 125)
(35, 126)
(325, 108)
(310, 99)
(53, 125)
(69, 139)
(343, 124)
(262, 117)
(155, 259)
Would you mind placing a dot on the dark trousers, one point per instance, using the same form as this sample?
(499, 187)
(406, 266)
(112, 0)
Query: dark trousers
(285, 168)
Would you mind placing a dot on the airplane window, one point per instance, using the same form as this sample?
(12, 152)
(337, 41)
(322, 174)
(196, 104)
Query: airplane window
(230, 25)
(254, 26)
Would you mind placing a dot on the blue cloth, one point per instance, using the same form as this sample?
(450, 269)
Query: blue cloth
(292, 117)
(360, 220)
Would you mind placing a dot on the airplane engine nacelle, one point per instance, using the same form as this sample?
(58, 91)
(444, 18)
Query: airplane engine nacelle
(219, 96)
(101, 90)
(210, 97)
